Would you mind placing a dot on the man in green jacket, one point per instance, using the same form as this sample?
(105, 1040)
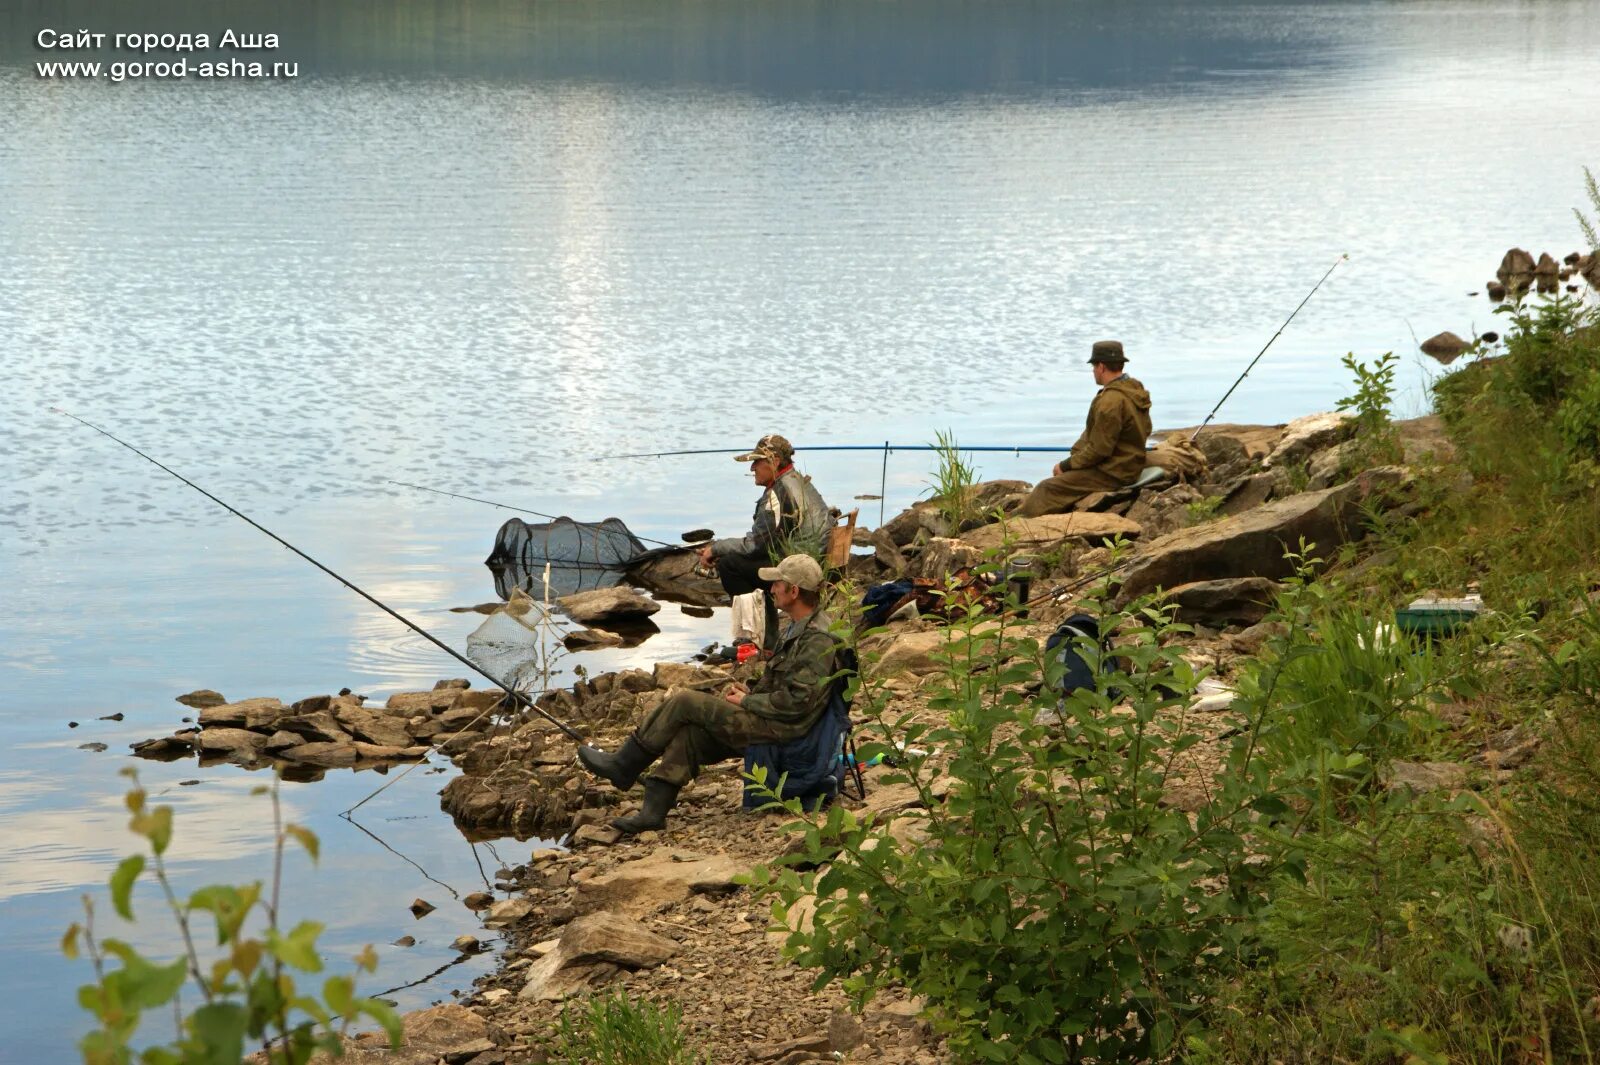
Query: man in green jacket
(1111, 451)
(691, 729)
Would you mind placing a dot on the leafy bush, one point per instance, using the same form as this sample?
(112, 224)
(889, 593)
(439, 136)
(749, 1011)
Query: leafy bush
(1053, 907)
(1375, 441)
(247, 992)
(614, 1030)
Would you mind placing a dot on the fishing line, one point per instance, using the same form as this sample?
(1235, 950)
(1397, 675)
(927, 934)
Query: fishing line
(517, 697)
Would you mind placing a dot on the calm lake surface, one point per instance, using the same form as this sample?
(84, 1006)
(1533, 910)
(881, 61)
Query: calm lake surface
(490, 246)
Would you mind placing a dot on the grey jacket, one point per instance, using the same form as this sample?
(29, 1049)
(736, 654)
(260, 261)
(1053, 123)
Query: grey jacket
(790, 517)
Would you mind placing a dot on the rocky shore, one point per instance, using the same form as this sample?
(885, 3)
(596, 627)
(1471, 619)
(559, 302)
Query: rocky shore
(665, 915)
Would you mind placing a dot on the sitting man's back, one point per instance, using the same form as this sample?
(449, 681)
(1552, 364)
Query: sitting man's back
(1111, 452)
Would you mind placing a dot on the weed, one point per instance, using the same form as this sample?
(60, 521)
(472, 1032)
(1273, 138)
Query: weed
(614, 1030)
(954, 480)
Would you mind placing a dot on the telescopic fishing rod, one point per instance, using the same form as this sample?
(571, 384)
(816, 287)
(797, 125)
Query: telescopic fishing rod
(1016, 449)
(512, 693)
(508, 506)
(1240, 380)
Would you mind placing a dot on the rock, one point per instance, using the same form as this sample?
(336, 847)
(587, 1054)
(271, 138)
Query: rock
(600, 941)
(406, 941)
(1516, 269)
(1033, 533)
(806, 1048)
(315, 728)
(1312, 433)
(1158, 513)
(1252, 544)
(1496, 291)
(1546, 266)
(441, 1027)
(1445, 347)
(478, 900)
(429, 702)
(1246, 493)
(685, 675)
(330, 755)
(202, 698)
(374, 752)
(482, 699)
(604, 835)
(844, 1032)
(264, 711)
(507, 912)
(164, 747)
(459, 683)
(1327, 467)
(1426, 776)
(213, 740)
(1251, 640)
(312, 703)
(590, 640)
(466, 944)
(463, 719)
(284, 739)
(943, 556)
(911, 652)
(372, 726)
(420, 908)
(607, 604)
(644, 885)
(1229, 601)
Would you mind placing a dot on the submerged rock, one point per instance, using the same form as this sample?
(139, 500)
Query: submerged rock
(1446, 347)
(590, 640)
(202, 698)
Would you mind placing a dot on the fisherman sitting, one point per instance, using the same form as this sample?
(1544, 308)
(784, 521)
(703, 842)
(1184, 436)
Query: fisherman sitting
(1111, 452)
(691, 729)
(790, 517)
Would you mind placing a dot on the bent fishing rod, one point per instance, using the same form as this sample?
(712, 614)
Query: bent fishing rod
(1240, 380)
(508, 506)
(511, 692)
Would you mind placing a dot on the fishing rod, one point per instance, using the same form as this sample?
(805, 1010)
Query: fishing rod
(1015, 449)
(511, 692)
(1264, 347)
(508, 506)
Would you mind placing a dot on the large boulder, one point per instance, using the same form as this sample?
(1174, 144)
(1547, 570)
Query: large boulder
(1309, 434)
(1033, 533)
(617, 603)
(591, 950)
(916, 653)
(1253, 544)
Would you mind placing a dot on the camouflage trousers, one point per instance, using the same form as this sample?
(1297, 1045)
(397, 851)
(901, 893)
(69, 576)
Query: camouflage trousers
(693, 729)
(1058, 494)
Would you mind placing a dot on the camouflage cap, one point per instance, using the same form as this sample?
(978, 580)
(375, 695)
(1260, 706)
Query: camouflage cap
(802, 571)
(1107, 353)
(772, 446)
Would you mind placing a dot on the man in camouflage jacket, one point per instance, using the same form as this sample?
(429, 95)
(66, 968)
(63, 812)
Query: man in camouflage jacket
(1111, 452)
(692, 729)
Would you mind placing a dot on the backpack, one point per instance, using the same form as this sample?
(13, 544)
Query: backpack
(1179, 457)
(1076, 672)
(820, 765)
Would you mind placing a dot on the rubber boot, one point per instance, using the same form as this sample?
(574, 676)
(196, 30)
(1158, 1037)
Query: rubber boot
(621, 769)
(659, 797)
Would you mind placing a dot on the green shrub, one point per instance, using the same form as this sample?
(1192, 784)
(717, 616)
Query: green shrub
(247, 992)
(1375, 440)
(954, 480)
(614, 1030)
(1054, 906)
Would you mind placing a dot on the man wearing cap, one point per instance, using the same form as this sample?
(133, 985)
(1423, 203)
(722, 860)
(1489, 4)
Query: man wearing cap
(790, 517)
(1111, 451)
(691, 729)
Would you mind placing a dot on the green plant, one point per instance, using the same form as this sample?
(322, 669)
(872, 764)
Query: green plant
(614, 1030)
(1376, 441)
(247, 992)
(1586, 224)
(955, 477)
(1048, 900)
(1203, 509)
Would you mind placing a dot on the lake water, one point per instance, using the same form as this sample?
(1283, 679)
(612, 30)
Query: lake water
(491, 246)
